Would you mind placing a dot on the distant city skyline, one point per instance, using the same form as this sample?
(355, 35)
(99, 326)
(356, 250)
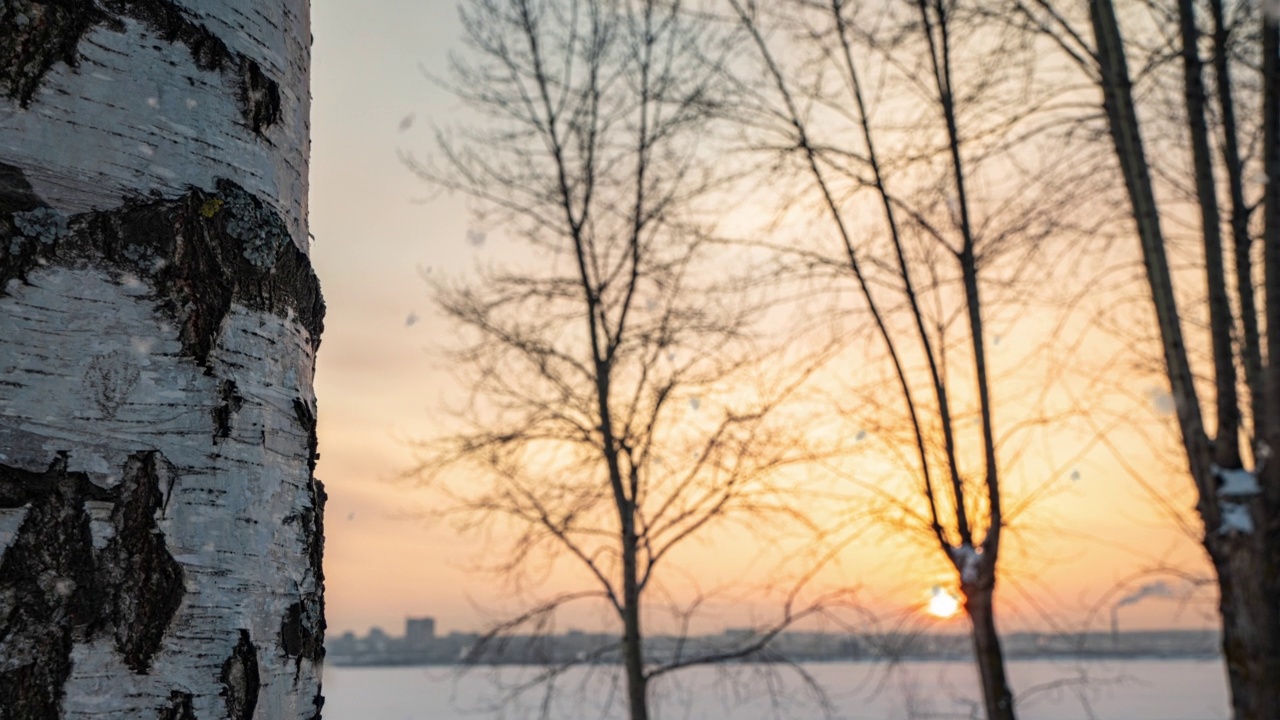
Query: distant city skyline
(419, 645)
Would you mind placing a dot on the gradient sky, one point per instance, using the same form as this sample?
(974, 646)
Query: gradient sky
(379, 383)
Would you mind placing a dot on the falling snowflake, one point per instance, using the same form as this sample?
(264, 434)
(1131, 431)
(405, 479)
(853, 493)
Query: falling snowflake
(695, 402)
(476, 237)
(411, 320)
(862, 435)
(1075, 474)
(407, 122)
(1161, 400)
(651, 304)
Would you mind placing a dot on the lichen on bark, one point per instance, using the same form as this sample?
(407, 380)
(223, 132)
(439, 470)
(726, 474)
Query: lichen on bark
(200, 252)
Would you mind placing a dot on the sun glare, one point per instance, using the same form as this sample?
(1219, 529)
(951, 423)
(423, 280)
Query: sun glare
(943, 604)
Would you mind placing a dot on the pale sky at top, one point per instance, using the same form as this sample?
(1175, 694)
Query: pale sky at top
(374, 376)
(378, 383)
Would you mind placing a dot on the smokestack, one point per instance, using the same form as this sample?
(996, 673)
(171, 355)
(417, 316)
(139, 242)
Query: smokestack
(1158, 589)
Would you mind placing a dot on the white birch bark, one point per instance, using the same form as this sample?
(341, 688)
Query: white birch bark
(160, 527)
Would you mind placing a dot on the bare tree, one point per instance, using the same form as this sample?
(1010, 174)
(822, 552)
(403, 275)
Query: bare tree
(1232, 354)
(620, 404)
(921, 114)
(160, 526)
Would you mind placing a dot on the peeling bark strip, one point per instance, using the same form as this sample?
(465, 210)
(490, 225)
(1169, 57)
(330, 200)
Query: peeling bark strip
(240, 680)
(35, 35)
(202, 252)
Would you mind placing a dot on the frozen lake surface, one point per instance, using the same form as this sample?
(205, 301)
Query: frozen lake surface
(1047, 690)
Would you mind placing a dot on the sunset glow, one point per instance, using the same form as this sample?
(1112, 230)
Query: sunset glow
(942, 603)
(383, 385)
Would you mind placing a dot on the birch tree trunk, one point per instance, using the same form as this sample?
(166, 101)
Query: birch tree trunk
(160, 526)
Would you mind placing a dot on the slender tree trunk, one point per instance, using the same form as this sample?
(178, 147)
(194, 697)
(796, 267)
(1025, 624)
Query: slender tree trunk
(1226, 447)
(1242, 242)
(632, 649)
(980, 606)
(160, 525)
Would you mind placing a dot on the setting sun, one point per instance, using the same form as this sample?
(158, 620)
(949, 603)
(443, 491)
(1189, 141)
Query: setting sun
(942, 603)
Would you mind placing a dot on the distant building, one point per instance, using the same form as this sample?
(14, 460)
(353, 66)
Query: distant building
(419, 632)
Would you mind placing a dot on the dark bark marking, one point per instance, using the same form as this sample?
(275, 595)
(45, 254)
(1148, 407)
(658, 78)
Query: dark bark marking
(48, 597)
(229, 403)
(55, 590)
(302, 628)
(240, 679)
(302, 631)
(35, 35)
(144, 582)
(259, 97)
(318, 703)
(201, 252)
(16, 193)
(307, 420)
(180, 707)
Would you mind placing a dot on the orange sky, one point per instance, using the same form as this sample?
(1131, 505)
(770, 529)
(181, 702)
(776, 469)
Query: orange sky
(379, 386)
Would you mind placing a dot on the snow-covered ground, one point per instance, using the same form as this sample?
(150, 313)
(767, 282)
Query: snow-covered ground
(1048, 690)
